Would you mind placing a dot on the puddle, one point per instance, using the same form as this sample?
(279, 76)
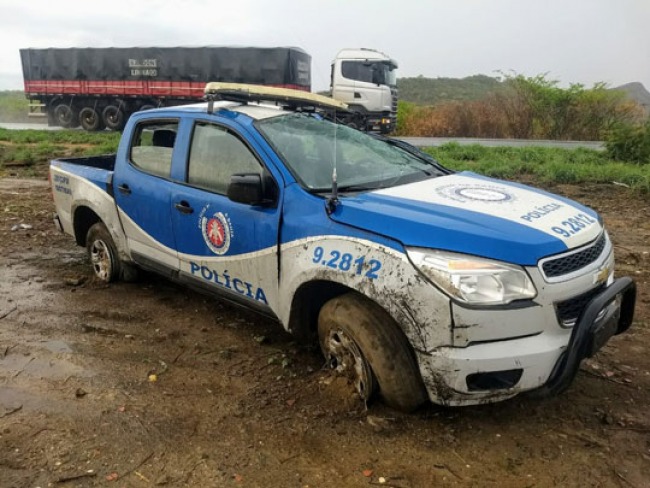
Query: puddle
(40, 366)
(23, 285)
(19, 399)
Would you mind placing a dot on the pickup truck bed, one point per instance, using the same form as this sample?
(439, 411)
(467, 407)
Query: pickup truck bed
(105, 161)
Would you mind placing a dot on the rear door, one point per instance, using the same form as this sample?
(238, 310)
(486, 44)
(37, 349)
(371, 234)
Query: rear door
(143, 191)
(227, 247)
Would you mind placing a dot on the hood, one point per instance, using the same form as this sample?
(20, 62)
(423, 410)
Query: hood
(472, 214)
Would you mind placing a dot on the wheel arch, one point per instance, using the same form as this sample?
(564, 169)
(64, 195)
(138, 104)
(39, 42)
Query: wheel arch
(308, 300)
(306, 303)
(83, 219)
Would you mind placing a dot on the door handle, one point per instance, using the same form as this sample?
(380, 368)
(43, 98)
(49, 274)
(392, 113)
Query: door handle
(184, 207)
(124, 189)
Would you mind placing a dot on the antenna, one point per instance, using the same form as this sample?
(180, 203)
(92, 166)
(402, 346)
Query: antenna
(333, 200)
(210, 104)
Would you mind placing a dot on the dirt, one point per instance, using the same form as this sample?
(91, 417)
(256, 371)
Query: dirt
(150, 384)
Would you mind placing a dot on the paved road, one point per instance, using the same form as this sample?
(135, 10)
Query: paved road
(12, 126)
(439, 141)
(418, 141)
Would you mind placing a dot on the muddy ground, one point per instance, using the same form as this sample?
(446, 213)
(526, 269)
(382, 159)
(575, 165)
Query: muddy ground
(236, 403)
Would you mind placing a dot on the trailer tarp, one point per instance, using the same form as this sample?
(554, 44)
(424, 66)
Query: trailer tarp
(264, 66)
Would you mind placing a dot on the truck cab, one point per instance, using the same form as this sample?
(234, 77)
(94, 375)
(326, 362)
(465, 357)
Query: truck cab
(366, 80)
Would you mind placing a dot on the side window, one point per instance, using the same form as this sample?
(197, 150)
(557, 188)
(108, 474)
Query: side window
(357, 70)
(215, 155)
(152, 146)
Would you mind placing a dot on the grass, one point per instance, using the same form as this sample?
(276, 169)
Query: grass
(28, 152)
(32, 150)
(548, 165)
(14, 106)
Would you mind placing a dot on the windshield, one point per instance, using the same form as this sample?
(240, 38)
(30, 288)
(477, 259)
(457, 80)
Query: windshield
(310, 146)
(380, 73)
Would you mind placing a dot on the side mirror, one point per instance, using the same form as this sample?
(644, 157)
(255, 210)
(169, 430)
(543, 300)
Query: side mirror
(246, 188)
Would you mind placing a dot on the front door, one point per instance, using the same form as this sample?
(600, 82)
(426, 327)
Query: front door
(228, 247)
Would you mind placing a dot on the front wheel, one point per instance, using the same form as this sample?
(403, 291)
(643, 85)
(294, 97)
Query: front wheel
(102, 253)
(361, 341)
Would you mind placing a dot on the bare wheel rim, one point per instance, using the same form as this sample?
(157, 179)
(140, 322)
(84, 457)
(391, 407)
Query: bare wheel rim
(100, 258)
(344, 356)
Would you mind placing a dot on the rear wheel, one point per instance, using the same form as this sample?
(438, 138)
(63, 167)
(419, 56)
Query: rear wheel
(102, 253)
(90, 120)
(361, 341)
(114, 118)
(65, 116)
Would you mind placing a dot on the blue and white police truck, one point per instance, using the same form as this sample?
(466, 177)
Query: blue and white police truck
(420, 283)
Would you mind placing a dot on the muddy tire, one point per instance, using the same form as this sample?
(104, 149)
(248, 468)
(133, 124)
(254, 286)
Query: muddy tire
(361, 341)
(90, 120)
(102, 253)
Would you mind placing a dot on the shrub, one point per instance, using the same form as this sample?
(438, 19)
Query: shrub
(524, 108)
(630, 143)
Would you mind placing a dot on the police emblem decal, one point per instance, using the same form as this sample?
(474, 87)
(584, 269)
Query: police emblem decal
(216, 230)
(476, 192)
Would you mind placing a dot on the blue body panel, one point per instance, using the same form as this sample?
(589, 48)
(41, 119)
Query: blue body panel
(427, 225)
(304, 216)
(97, 176)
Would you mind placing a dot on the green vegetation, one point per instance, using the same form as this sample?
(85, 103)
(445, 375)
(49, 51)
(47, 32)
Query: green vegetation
(525, 108)
(630, 142)
(547, 165)
(430, 91)
(27, 152)
(13, 106)
(58, 136)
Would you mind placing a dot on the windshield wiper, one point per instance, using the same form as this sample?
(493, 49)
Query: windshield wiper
(414, 151)
(353, 188)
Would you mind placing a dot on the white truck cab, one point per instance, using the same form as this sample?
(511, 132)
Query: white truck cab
(366, 80)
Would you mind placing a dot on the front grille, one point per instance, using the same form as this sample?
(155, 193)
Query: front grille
(569, 310)
(568, 263)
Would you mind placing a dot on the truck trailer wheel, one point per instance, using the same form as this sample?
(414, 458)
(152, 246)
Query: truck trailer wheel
(102, 253)
(361, 341)
(114, 118)
(64, 116)
(90, 120)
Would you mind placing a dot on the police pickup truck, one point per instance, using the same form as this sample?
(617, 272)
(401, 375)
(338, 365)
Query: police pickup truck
(419, 283)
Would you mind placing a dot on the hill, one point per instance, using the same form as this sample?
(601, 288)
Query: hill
(637, 92)
(429, 91)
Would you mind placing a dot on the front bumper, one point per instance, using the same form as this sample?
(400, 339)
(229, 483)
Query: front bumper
(544, 362)
(592, 331)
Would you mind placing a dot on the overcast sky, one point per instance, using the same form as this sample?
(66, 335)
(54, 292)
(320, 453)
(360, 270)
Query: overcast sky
(575, 41)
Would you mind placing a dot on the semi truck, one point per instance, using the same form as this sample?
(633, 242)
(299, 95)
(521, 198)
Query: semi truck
(99, 88)
(418, 282)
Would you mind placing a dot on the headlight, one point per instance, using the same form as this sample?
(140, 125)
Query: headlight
(473, 280)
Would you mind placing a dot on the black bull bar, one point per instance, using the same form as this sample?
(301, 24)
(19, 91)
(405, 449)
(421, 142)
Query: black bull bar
(591, 332)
